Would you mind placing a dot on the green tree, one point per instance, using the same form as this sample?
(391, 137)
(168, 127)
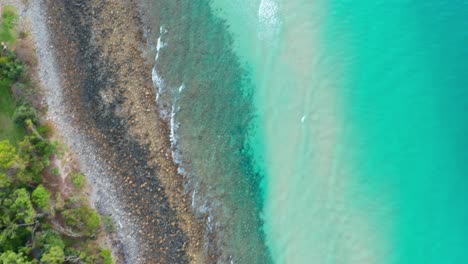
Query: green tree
(54, 256)
(41, 197)
(16, 217)
(11, 257)
(9, 19)
(15, 211)
(34, 162)
(10, 163)
(21, 208)
(8, 156)
(48, 239)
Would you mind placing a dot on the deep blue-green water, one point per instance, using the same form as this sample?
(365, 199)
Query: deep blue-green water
(329, 131)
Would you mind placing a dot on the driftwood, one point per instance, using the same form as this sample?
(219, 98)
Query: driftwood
(64, 230)
(73, 259)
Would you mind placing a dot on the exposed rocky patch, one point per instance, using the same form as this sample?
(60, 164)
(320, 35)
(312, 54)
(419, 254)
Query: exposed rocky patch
(107, 98)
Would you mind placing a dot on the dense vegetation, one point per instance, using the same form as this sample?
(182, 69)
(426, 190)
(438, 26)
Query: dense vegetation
(38, 222)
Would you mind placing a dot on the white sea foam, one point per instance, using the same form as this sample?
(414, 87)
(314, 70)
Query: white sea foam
(160, 44)
(174, 126)
(268, 18)
(181, 88)
(173, 139)
(209, 223)
(303, 118)
(193, 198)
(158, 81)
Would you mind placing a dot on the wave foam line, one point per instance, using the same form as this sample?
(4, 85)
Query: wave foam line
(268, 18)
(158, 81)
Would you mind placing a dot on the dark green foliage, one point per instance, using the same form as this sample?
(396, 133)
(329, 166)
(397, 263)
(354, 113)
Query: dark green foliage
(23, 113)
(35, 153)
(82, 218)
(48, 239)
(10, 67)
(44, 147)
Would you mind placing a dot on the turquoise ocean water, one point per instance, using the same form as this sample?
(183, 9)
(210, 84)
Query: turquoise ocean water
(328, 131)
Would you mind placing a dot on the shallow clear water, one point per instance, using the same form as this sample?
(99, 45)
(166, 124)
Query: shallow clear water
(327, 131)
(207, 96)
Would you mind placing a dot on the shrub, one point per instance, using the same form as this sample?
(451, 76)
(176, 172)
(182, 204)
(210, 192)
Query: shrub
(106, 256)
(44, 147)
(10, 67)
(41, 197)
(83, 218)
(107, 223)
(45, 130)
(23, 113)
(54, 171)
(23, 34)
(77, 179)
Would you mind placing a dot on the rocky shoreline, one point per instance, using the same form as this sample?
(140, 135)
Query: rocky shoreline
(100, 96)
